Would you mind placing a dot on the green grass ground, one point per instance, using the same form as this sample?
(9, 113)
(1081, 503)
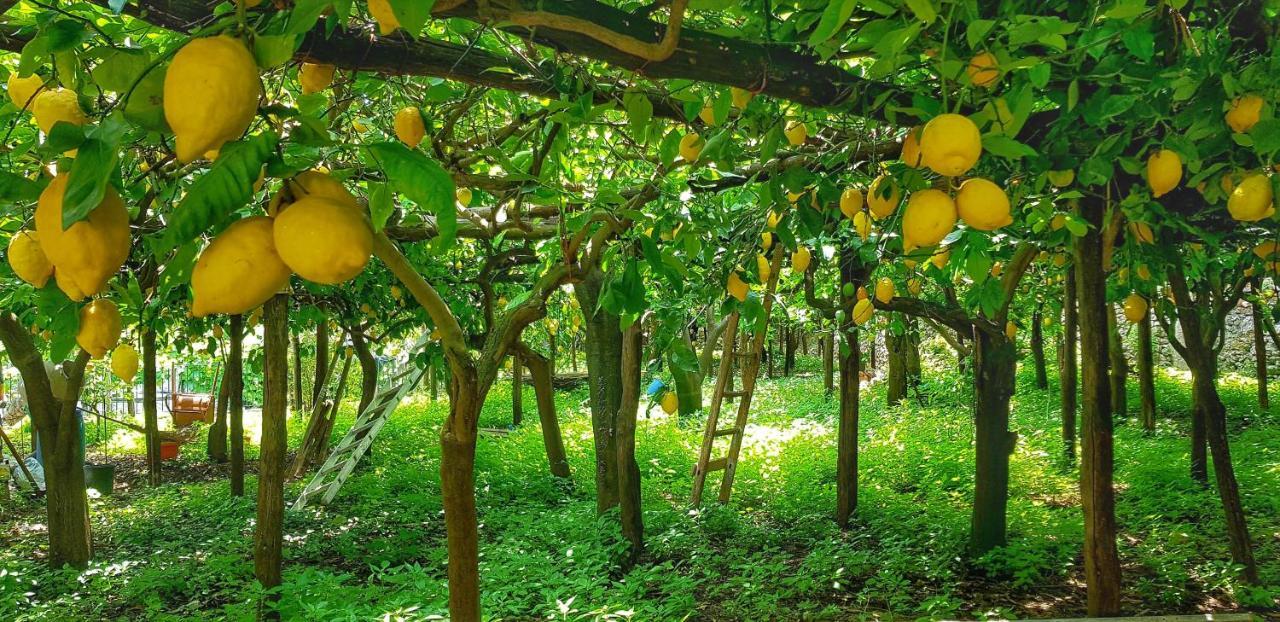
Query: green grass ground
(183, 551)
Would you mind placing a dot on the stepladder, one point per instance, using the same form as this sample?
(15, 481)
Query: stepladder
(740, 355)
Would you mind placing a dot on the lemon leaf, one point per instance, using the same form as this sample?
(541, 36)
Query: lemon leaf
(225, 188)
(424, 181)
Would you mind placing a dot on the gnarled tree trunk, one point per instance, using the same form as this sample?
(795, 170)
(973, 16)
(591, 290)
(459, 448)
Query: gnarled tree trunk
(368, 369)
(995, 359)
(216, 448)
(540, 374)
(896, 389)
(631, 513)
(604, 380)
(457, 487)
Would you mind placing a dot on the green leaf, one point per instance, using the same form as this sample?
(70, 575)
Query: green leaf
(225, 188)
(412, 14)
(1073, 95)
(834, 17)
(977, 32)
(639, 111)
(120, 68)
(1266, 136)
(923, 9)
(64, 320)
(424, 181)
(87, 182)
(305, 14)
(1005, 147)
(380, 205)
(15, 188)
(274, 50)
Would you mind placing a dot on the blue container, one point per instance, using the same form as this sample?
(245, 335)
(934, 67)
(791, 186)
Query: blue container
(656, 387)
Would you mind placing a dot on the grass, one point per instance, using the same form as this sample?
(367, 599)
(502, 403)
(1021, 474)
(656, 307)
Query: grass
(184, 550)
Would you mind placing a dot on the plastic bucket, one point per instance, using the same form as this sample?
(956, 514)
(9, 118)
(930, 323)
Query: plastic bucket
(655, 388)
(100, 477)
(169, 450)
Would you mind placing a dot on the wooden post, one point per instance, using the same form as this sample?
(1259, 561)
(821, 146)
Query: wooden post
(268, 534)
(1067, 372)
(235, 396)
(149, 406)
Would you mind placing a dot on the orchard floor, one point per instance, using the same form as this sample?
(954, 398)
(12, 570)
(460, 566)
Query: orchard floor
(183, 551)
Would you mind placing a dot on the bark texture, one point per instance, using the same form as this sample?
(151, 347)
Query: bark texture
(1068, 370)
(604, 381)
(234, 378)
(149, 414)
(268, 533)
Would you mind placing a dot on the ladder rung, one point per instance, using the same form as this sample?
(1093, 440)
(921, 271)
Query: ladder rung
(725, 432)
(717, 464)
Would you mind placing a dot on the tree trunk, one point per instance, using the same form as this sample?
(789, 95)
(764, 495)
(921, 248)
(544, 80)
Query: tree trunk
(1206, 399)
(217, 444)
(631, 513)
(322, 361)
(1096, 324)
(1067, 370)
(517, 390)
(1260, 356)
(297, 372)
(604, 380)
(457, 487)
(896, 390)
(914, 368)
(828, 364)
(995, 359)
(540, 374)
(268, 533)
(368, 370)
(789, 357)
(1118, 366)
(149, 407)
(872, 351)
(1037, 350)
(847, 433)
(234, 377)
(1146, 374)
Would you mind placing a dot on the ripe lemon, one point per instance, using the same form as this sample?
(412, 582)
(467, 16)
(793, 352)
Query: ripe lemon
(1252, 200)
(737, 287)
(763, 268)
(1266, 249)
(915, 286)
(911, 148)
(800, 260)
(53, 106)
(772, 221)
(861, 294)
(862, 311)
(1059, 221)
(1141, 232)
(883, 197)
(766, 240)
(1062, 178)
(100, 327)
(1164, 171)
(691, 145)
(997, 269)
(315, 77)
(409, 126)
(1010, 331)
(323, 240)
(88, 253)
(386, 18)
(1244, 113)
(707, 114)
(28, 260)
(1143, 272)
(983, 70)
(463, 195)
(930, 216)
(884, 290)
(670, 402)
(940, 258)
(796, 133)
(1135, 308)
(862, 224)
(396, 292)
(239, 270)
(850, 202)
(22, 90)
(124, 362)
(740, 97)
(211, 93)
(313, 183)
(983, 205)
(950, 144)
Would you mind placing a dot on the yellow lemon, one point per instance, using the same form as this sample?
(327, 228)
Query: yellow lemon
(796, 133)
(323, 241)
(670, 402)
(862, 293)
(313, 183)
(862, 311)
(884, 290)
(691, 145)
(1252, 200)
(88, 253)
(915, 286)
(28, 260)
(800, 260)
(707, 114)
(850, 202)
(772, 221)
(59, 105)
(763, 268)
(940, 258)
(463, 195)
(1135, 308)
(1141, 232)
(1059, 221)
(983, 205)
(22, 90)
(983, 70)
(100, 327)
(1143, 272)
(862, 225)
(930, 215)
(211, 93)
(1010, 330)
(386, 18)
(409, 127)
(737, 287)
(883, 197)
(997, 269)
(1062, 178)
(124, 362)
(315, 77)
(950, 144)
(1164, 171)
(766, 240)
(1266, 249)
(911, 148)
(239, 270)
(1244, 113)
(740, 97)
(396, 292)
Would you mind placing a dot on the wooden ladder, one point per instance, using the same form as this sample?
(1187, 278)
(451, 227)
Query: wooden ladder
(748, 363)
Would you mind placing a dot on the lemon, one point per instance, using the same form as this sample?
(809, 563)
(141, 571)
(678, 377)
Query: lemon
(884, 290)
(463, 195)
(983, 205)
(950, 144)
(21, 90)
(1252, 200)
(359, 126)
(766, 240)
(737, 287)
(211, 93)
(862, 225)
(1059, 221)
(796, 133)
(883, 197)
(239, 270)
(930, 216)
(691, 145)
(707, 114)
(862, 311)
(861, 293)
(850, 202)
(1062, 178)
(670, 402)
(1244, 113)
(1143, 272)
(386, 18)
(997, 269)
(323, 240)
(915, 286)
(396, 292)
(911, 148)
(59, 105)
(88, 253)
(100, 327)
(315, 77)
(409, 126)
(1010, 330)
(740, 97)
(940, 258)
(1141, 232)
(313, 183)
(124, 362)
(1135, 308)
(772, 221)
(800, 260)
(217, 331)
(983, 70)
(1266, 249)
(1164, 171)
(762, 268)
(1060, 260)
(28, 260)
